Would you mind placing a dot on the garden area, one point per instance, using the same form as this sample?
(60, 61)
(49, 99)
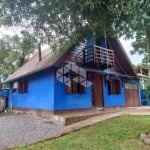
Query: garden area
(121, 133)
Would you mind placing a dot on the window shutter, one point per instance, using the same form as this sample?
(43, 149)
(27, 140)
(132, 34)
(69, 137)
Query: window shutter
(109, 86)
(81, 89)
(25, 86)
(117, 84)
(21, 87)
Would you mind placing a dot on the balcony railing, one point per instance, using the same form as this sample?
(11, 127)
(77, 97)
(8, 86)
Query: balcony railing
(95, 56)
(99, 56)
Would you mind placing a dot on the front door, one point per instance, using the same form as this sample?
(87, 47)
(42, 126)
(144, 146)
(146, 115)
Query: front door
(132, 95)
(98, 90)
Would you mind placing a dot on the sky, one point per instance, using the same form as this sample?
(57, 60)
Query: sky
(135, 59)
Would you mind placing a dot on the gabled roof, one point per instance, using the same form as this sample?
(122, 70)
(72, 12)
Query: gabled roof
(34, 65)
(50, 58)
(122, 57)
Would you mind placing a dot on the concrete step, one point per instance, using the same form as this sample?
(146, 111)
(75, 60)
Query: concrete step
(71, 118)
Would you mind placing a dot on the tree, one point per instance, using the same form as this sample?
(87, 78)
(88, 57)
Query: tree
(66, 21)
(140, 47)
(15, 51)
(25, 45)
(70, 21)
(139, 16)
(7, 60)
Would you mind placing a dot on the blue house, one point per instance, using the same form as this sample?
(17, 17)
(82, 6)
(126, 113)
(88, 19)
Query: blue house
(88, 76)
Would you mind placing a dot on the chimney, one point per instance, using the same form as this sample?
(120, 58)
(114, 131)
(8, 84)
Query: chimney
(39, 51)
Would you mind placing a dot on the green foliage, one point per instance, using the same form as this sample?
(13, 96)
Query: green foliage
(15, 52)
(66, 21)
(25, 45)
(7, 58)
(139, 13)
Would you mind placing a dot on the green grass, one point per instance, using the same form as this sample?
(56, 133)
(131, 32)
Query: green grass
(121, 133)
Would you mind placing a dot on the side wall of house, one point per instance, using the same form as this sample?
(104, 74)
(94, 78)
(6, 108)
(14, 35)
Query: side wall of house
(111, 100)
(40, 93)
(64, 101)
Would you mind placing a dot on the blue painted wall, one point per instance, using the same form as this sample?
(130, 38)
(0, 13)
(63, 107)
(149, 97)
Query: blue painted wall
(64, 101)
(111, 100)
(101, 42)
(45, 92)
(40, 93)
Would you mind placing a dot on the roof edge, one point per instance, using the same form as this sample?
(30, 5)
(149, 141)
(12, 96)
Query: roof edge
(129, 61)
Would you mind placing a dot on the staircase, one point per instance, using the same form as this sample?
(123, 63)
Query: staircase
(77, 53)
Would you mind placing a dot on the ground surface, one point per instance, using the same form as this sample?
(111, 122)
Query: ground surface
(16, 130)
(121, 133)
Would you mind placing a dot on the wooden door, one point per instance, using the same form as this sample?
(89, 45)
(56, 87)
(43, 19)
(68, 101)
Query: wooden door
(132, 95)
(98, 90)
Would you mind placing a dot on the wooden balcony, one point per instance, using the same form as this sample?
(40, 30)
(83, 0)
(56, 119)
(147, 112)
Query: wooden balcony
(96, 56)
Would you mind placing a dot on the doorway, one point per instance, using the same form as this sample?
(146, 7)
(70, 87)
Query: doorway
(97, 91)
(132, 95)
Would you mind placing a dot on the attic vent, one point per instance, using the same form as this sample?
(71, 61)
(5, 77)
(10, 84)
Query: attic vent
(39, 51)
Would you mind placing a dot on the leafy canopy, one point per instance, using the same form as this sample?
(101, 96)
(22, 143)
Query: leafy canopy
(66, 20)
(69, 21)
(14, 52)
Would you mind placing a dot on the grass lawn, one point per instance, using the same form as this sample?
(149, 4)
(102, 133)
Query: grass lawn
(121, 133)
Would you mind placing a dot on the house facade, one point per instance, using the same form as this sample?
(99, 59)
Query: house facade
(88, 76)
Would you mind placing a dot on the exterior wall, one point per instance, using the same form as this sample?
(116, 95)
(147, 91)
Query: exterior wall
(99, 41)
(111, 100)
(64, 101)
(40, 93)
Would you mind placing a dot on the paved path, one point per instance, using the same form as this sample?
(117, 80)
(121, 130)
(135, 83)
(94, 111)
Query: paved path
(91, 121)
(17, 130)
(96, 119)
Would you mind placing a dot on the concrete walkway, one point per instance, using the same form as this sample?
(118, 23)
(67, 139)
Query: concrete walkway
(91, 121)
(96, 119)
(19, 130)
